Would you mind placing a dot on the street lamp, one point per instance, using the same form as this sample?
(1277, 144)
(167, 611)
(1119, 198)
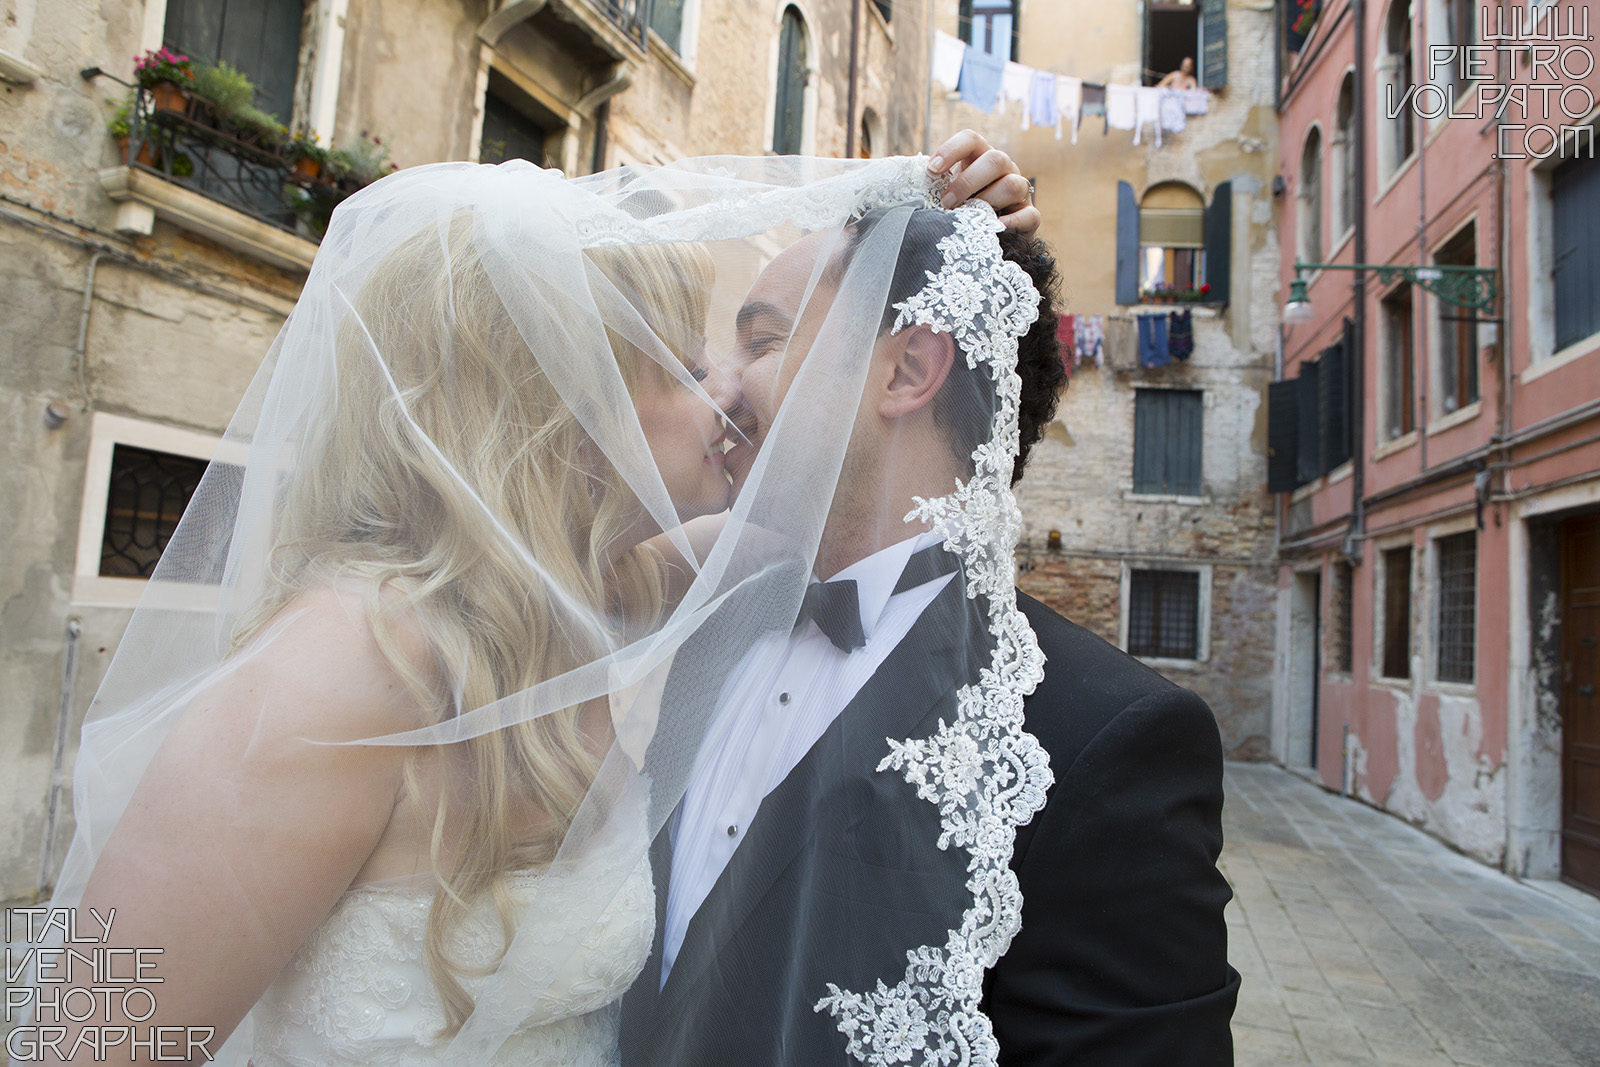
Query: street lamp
(1298, 309)
(1473, 288)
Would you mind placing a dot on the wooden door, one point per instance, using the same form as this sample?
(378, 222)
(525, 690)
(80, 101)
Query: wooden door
(1580, 706)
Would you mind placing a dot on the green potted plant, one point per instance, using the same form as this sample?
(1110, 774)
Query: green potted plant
(360, 163)
(232, 99)
(121, 130)
(168, 77)
(305, 155)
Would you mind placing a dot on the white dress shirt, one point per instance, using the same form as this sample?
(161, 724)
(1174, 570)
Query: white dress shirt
(778, 704)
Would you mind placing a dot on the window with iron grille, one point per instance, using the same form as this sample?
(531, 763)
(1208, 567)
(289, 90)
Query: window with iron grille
(1164, 614)
(1166, 441)
(1397, 613)
(1342, 655)
(148, 493)
(1458, 617)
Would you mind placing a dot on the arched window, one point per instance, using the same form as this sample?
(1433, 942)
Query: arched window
(1397, 77)
(1171, 237)
(1309, 228)
(788, 123)
(867, 143)
(989, 26)
(1344, 147)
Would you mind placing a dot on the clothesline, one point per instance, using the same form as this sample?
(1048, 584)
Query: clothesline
(1149, 339)
(1059, 101)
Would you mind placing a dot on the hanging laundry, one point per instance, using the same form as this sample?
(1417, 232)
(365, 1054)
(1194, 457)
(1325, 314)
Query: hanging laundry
(1122, 343)
(1180, 334)
(1042, 107)
(1122, 108)
(980, 80)
(1090, 339)
(1153, 350)
(1147, 112)
(1173, 117)
(1196, 101)
(1069, 105)
(1065, 328)
(947, 54)
(1015, 85)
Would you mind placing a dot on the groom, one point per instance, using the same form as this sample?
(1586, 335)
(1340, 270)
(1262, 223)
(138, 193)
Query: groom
(793, 863)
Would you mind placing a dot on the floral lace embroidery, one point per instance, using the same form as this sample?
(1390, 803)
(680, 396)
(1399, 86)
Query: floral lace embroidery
(983, 770)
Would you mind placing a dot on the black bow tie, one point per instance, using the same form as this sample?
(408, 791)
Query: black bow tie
(836, 606)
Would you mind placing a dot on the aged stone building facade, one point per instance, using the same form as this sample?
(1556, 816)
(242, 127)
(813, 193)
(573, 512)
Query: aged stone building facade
(138, 300)
(1203, 545)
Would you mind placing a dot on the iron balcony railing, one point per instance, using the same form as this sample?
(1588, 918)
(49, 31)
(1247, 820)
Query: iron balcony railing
(191, 148)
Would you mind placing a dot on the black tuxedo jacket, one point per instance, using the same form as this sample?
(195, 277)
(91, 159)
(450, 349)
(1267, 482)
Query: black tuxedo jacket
(1122, 956)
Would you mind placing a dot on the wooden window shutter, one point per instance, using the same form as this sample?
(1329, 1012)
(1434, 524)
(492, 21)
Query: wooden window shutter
(1283, 435)
(1214, 43)
(1128, 245)
(1219, 243)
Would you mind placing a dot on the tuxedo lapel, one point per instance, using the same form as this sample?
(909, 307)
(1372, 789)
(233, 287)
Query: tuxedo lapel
(927, 664)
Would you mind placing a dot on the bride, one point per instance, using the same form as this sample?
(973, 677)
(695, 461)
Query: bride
(377, 767)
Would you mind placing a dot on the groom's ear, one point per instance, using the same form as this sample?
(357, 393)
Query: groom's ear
(920, 361)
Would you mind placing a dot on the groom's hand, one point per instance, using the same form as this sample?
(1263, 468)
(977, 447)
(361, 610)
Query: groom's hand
(980, 171)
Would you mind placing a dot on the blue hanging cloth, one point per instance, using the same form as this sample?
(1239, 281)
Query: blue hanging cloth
(1180, 334)
(1153, 350)
(981, 74)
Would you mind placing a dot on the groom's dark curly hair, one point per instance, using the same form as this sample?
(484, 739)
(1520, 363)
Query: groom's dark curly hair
(966, 403)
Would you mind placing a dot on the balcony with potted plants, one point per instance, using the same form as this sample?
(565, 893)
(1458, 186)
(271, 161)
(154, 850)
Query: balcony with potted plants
(195, 150)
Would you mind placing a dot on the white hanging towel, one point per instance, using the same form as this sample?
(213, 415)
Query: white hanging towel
(1015, 85)
(948, 52)
(1121, 108)
(1147, 112)
(1173, 118)
(1196, 101)
(1069, 104)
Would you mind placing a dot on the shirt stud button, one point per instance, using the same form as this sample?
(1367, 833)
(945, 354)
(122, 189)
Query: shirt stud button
(733, 831)
(783, 698)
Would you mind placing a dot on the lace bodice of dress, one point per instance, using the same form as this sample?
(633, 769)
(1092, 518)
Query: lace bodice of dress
(358, 990)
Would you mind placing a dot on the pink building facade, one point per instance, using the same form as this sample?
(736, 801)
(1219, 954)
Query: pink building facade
(1437, 464)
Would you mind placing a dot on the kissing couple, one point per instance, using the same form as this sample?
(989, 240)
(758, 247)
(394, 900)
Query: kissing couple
(605, 650)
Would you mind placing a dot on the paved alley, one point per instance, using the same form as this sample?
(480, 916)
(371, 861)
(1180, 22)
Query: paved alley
(1363, 940)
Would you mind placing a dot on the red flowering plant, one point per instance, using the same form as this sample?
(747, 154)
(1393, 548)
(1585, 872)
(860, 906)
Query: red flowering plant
(1306, 12)
(163, 67)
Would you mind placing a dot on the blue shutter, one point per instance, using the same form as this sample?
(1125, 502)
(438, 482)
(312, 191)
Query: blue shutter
(1167, 436)
(1575, 191)
(1214, 43)
(1218, 236)
(1127, 245)
(788, 122)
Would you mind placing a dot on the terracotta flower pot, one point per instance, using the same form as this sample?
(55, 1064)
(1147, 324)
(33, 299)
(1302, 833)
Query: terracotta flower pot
(147, 152)
(169, 98)
(305, 169)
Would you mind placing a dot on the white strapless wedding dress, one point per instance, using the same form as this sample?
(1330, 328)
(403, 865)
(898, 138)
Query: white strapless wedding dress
(358, 991)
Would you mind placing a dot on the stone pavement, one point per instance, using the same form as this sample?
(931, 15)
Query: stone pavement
(1363, 940)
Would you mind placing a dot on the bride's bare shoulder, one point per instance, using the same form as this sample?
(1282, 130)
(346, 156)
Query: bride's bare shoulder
(340, 660)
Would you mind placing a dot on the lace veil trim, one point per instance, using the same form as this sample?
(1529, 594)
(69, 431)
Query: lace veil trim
(983, 770)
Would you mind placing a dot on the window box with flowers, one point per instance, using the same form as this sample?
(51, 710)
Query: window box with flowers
(1166, 294)
(197, 127)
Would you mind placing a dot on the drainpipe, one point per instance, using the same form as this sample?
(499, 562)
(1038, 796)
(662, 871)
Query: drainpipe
(1358, 412)
(82, 353)
(855, 61)
(58, 760)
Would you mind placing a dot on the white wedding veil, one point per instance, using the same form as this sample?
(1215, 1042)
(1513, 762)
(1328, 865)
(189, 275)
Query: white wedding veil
(486, 459)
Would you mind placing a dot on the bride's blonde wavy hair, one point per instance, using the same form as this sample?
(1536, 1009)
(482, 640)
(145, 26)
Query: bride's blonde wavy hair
(371, 504)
